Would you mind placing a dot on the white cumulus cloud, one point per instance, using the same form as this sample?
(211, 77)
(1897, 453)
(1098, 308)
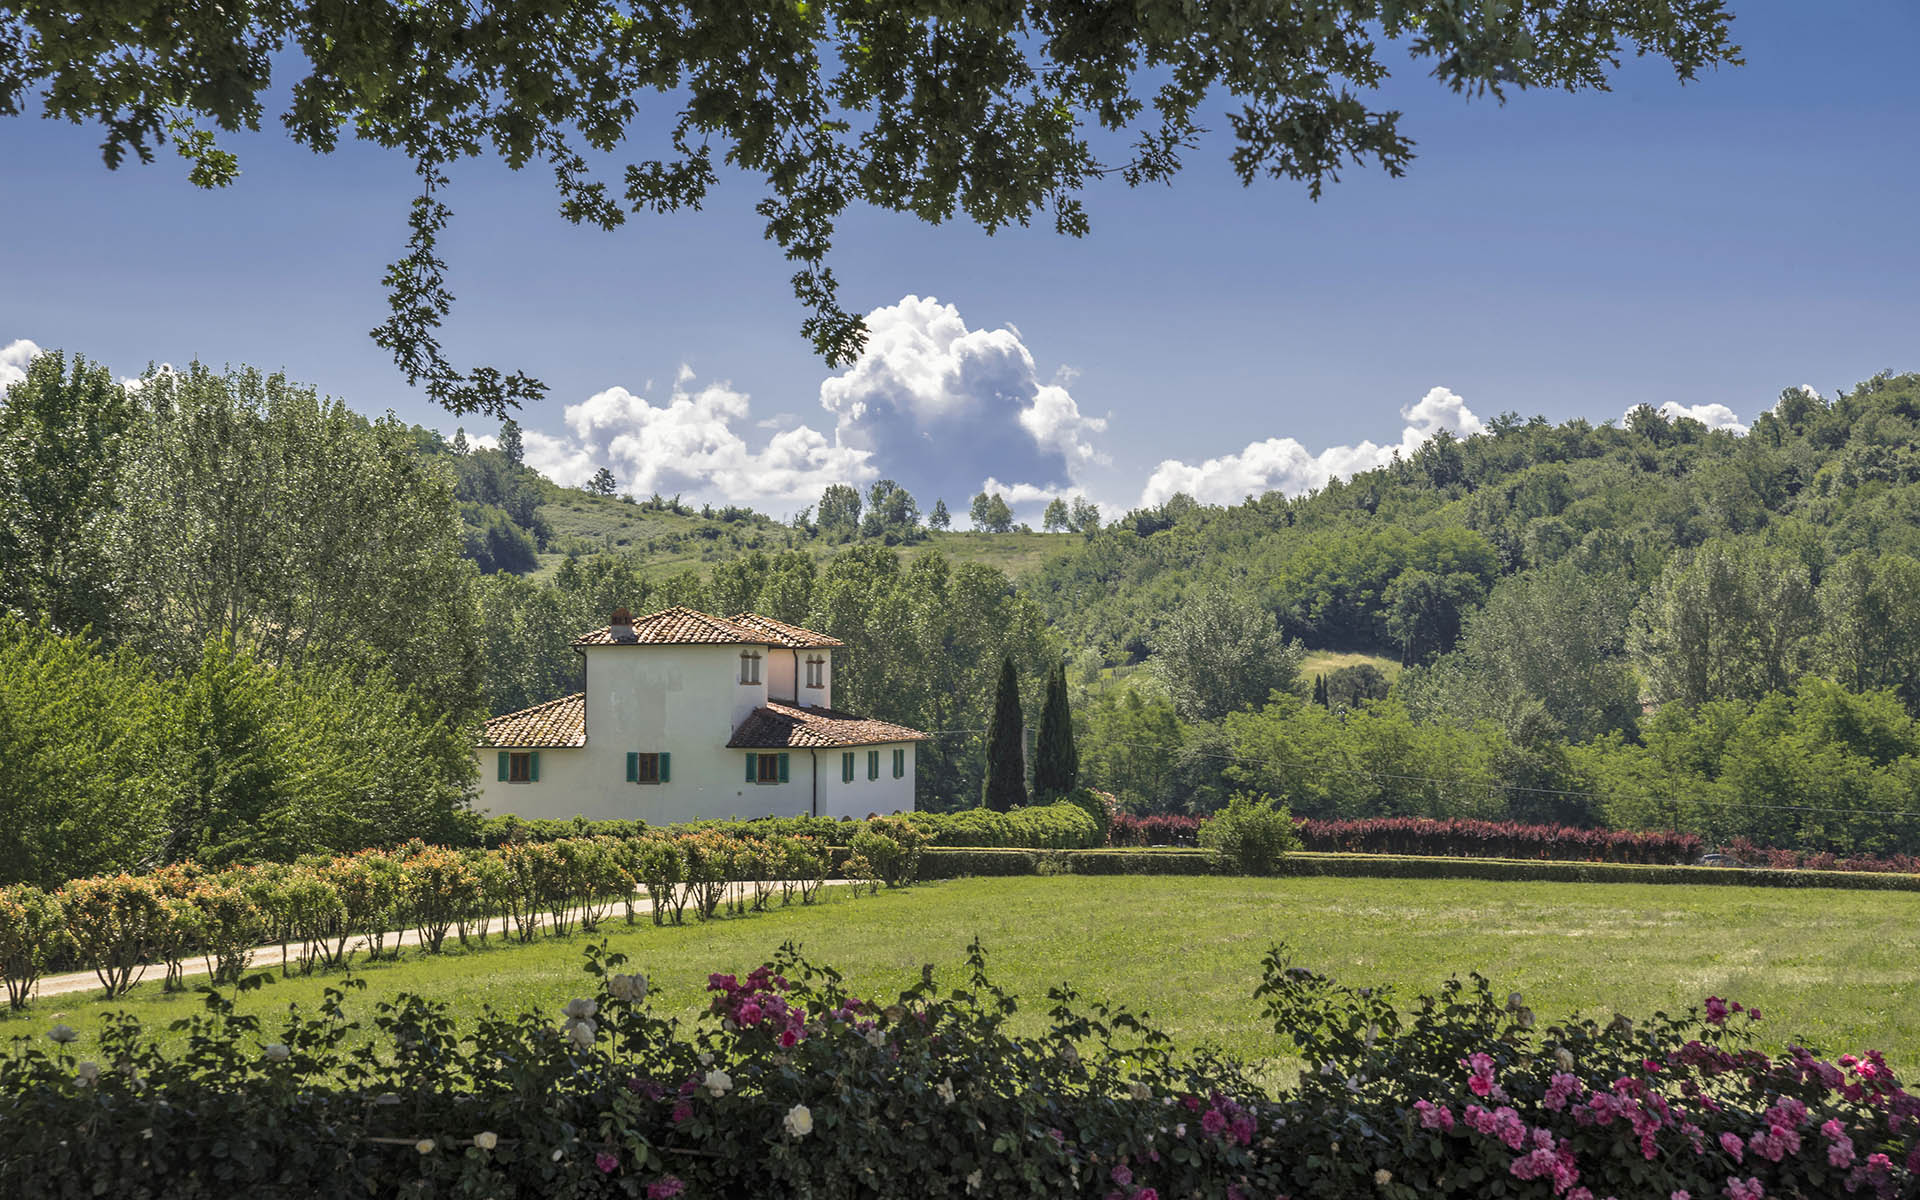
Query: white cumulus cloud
(1713, 416)
(944, 408)
(939, 407)
(691, 445)
(14, 357)
(1283, 464)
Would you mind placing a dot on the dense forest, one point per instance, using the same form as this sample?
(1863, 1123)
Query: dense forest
(239, 620)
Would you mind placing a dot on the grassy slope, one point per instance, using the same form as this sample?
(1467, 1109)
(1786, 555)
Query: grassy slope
(1840, 969)
(607, 524)
(1326, 662)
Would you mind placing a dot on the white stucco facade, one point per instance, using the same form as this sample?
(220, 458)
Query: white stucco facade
(706, 714)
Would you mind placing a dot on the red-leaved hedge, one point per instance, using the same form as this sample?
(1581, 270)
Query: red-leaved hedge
(1821, 860)
(1498, 839)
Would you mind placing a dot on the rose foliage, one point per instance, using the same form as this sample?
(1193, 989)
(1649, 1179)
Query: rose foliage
(791, 1085)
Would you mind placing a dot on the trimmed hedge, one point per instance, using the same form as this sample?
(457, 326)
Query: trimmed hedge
(950, 863)
(1061, 826)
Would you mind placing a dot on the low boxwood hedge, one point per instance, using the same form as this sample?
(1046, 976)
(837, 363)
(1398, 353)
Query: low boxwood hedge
(953, 862)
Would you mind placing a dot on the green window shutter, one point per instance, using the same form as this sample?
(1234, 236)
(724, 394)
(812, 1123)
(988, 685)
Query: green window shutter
(899, 763)
(633, 766)
(505, 768)
(533, 767)
(873, 764)
(666, 766)
(846, 767)
(783, 768)
(753, 764)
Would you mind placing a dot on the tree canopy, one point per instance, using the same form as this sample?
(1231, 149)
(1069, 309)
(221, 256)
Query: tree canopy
(1000, 114)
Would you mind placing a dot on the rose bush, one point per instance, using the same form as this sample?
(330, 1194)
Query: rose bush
(792, 1085)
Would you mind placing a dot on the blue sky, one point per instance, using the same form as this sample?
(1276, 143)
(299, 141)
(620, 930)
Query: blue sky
(1568, 255)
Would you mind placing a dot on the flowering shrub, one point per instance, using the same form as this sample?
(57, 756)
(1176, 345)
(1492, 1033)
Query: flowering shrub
(793, 1086)
(30, 933)
(116, 925)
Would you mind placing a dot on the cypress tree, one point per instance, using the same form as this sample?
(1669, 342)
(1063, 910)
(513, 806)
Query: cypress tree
(1320, 691)
(1006, 773)
(1056, 762)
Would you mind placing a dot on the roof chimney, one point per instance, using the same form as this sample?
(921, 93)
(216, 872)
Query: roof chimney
(620, 628)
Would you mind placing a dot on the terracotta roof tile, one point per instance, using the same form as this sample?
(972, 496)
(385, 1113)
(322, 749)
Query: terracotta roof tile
(782, 726)
(556, 723)
(783, 634)
(680, 626)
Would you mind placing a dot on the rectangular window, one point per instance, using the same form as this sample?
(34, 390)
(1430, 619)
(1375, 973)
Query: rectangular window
(646, 768)
(816, 672)
(873, 764)
(846, 767)
(899, 763)
(766, 768)
(749, 667)
(520, 767)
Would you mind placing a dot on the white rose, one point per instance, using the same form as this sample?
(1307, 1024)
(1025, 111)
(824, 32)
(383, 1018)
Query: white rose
(1180, 1130)
(1525, 1017)
(706, 1058)
(876, 1037)
(558, 1155)
(628, 989)
(717, 1083)
(1382, 1177)
(973, 1181)
(944, 1090)
(276, 1052)
(487, 1140)
(63, 1034)
(581, 1008)
(1564, 1057)
(1139, 1091)
(424, 1145)
(581, 1033)
(799, 1121)
(87, 1072)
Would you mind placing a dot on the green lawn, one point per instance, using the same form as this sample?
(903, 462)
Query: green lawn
(1838, 968)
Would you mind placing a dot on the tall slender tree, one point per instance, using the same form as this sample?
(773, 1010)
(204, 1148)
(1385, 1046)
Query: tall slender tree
(1056, 761)
(1006, 773)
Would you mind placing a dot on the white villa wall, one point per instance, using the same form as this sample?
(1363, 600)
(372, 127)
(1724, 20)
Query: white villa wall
(687, 700)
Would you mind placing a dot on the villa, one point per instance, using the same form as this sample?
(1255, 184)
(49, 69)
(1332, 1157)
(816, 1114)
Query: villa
(688, 716)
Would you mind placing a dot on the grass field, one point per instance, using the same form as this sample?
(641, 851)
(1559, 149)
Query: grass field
(1840, 970)
(1326, 662)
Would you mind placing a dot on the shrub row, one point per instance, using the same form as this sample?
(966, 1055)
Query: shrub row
(322, 911)
(792, 1086)
(942, 863)
(1061, 826)
(1498, 839)
(1425, 836)
(1820, 860)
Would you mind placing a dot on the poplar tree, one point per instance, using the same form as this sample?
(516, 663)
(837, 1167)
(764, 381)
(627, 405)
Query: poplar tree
(1056, 761)
(1006, 773)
